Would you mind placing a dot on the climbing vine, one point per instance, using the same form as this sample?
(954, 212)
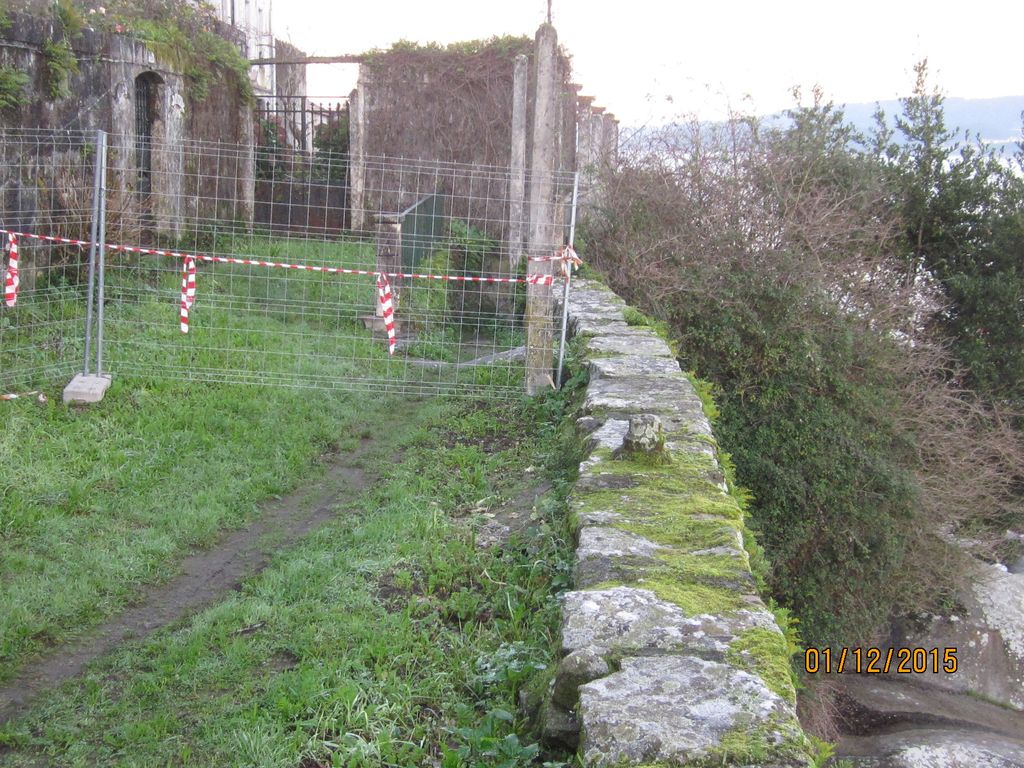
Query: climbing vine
(460, 97)
(12, 87)
(186, 35)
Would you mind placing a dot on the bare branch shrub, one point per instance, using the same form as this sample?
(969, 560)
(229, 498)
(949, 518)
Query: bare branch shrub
(774, 253)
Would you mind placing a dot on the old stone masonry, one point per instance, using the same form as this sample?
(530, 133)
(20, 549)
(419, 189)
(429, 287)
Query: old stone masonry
(668, 655)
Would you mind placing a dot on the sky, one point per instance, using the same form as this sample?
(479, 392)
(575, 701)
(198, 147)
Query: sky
(649, 62)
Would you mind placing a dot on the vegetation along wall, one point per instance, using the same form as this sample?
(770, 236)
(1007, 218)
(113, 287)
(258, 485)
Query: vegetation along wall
(668, 655)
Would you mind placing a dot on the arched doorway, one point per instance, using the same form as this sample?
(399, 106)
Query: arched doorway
(147, 113)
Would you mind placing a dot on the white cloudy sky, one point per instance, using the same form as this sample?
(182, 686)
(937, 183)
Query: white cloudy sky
(646, 60)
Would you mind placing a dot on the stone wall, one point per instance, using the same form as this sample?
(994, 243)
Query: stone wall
(189, 181)
(668, 656)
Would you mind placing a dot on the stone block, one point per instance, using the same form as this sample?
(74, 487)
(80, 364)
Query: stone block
(608, 553)
(679, 709)
(643, 344)
(578, 668)
(86, 388)
(645, 435)
(632, 365)
(629, 621)
(560, 726)
(671, 399)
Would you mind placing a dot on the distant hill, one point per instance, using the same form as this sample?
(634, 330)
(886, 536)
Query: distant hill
(997, 120)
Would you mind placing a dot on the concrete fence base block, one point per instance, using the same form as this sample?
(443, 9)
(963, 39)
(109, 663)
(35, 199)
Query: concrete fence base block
(86, 388)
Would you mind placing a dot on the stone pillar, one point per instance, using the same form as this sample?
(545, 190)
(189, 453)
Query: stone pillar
(357, 154)
(246, 166)
(585, 145)
(610, 141)
(570, 139)
(517, 165)
(539, 300)
(597, 132)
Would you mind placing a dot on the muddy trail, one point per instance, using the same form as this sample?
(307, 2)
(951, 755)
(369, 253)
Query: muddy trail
(204, 578)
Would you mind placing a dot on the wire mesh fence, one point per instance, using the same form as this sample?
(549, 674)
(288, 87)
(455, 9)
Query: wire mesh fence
(287, 249)
(47, 185)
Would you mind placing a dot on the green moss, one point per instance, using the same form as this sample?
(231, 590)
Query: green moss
(684, 531)
(755, 746)
(694, 599)
(766, 654)
(635, 317)
(705, 391)
(664, 502)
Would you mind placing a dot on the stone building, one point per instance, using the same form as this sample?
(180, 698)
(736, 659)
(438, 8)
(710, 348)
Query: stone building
(163, 105)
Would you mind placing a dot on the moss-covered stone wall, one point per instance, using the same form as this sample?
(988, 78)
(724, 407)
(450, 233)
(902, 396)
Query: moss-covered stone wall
(669, 657)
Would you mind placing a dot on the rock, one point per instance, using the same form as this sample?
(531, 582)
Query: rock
(673, 710)
(592, 480)
(607, 553)
(878, 702)
(626, 621)
(632, 365)
(673, 400)
(609, 436)
(645, 435)
(578, 668)
(988, 637)
(587, 424)
(560, 726)
(1001, 597)
(642, 344)
(931, 748)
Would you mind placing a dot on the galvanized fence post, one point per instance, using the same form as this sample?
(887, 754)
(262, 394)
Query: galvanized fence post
(88, 387)
(102, 252)
(568, 267)
(99, 168)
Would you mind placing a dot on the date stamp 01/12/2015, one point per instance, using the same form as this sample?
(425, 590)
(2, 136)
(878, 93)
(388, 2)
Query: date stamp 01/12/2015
(871, 660)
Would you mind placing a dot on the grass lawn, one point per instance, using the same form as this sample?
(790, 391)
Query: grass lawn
(384, 637)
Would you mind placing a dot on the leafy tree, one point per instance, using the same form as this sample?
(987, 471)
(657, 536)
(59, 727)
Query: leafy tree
(963, 210)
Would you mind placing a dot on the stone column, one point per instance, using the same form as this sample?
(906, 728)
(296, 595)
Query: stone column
(357, 154)
(585, 146)
(539, 301)
(610, 141)
(517, 165)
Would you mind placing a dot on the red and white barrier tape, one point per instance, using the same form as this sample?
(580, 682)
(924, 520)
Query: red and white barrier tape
(387, 309)
(188, 290)
(11, 279)
(566, 255)
(529, 279)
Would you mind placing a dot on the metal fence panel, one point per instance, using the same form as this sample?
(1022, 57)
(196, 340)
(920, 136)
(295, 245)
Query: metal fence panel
(299, 307)
(46, 184)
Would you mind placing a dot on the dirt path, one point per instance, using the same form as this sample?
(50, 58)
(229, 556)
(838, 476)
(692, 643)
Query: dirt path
(205, 578)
